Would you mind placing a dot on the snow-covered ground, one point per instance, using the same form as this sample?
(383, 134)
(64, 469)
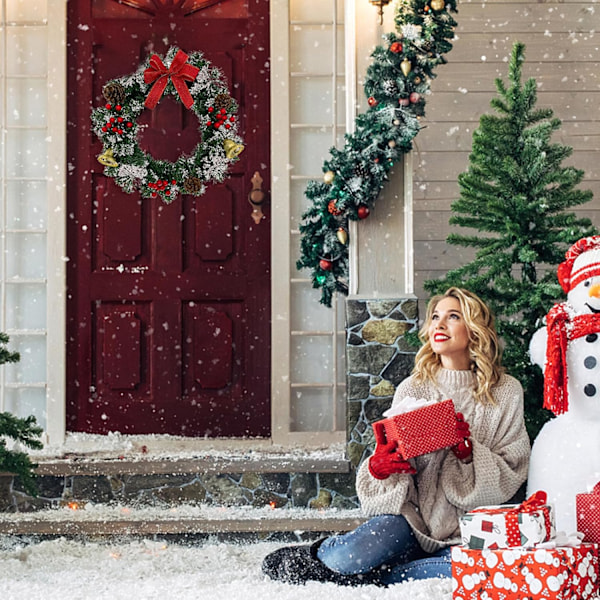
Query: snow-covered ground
(145, 570)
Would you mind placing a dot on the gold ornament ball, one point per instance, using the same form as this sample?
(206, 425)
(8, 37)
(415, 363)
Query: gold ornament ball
(342, 235)
(406, 67)
(392, 144)
(328, 177)
(438, 4)
(396, 122)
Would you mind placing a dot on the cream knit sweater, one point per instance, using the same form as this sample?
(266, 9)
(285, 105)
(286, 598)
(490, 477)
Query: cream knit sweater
(444, 487)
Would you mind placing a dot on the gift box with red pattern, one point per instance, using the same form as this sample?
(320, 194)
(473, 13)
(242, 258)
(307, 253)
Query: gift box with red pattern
(561, 573)
(509, 525)
(423, 430)
(588, 514)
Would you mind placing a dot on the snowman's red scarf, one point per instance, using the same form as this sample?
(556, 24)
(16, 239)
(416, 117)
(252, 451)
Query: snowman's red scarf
(562, 328)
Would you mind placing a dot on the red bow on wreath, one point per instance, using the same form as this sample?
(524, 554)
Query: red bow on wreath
(179, 72)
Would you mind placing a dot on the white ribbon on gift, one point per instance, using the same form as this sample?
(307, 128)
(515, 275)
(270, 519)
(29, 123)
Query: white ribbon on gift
(407, 404)
(562, 540)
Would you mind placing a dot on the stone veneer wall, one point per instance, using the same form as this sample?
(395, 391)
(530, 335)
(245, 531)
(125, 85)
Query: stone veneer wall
(378, 358)
(313, 490)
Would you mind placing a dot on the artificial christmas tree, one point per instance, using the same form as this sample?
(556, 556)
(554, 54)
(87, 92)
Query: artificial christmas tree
(515, 192)
(24, 431)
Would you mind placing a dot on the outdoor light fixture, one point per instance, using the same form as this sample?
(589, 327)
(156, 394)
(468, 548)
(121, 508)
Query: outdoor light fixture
(380, 4)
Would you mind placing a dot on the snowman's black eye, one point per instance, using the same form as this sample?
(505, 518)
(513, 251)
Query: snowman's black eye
(587, 283)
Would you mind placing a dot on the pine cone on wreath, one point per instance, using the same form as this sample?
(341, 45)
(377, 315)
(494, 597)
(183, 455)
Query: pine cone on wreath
(192, 185)
(114, 93)
(223, 101)
(360, 170)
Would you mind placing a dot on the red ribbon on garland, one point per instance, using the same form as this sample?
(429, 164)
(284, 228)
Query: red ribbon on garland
(179, 72)
(536, 502)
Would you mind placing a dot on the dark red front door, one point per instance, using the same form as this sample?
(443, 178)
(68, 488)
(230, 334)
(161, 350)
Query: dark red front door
(168, 305)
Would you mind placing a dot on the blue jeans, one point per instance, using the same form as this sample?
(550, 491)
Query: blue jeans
(383, 540)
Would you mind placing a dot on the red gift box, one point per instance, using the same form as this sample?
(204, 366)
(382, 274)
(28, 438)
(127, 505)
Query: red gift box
(423, 430)
(563, 573)
(588, 514)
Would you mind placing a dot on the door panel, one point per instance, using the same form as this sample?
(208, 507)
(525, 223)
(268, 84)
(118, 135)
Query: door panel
(168, 306)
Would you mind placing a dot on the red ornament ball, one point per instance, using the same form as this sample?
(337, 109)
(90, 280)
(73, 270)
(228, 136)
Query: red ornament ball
(396, 48)
(403, 101)
(326, 265)
(415, 97)
(363, 212)
(372, 101)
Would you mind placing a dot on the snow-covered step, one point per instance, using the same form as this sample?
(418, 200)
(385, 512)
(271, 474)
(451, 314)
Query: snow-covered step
(102, 520)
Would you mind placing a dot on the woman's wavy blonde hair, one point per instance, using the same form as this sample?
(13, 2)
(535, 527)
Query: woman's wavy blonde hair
(484, 347)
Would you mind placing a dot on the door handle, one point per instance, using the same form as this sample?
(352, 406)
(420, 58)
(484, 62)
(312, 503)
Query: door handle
(256, 197)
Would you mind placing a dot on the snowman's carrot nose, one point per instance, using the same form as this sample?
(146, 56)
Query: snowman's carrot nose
(594, 291)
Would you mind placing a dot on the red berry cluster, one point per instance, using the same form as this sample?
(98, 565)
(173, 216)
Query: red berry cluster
(161, 186)
(219, 118)
(116, 124)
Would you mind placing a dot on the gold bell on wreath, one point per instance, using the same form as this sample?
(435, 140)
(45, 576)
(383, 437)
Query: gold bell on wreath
(232, 149)
(438, 4)
(107, 159)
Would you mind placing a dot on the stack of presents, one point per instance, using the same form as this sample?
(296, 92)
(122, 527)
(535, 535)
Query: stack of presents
(513, 552)
(508, 552)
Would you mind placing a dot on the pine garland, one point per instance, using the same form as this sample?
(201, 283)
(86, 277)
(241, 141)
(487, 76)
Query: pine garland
(135, 170)
(396, 85)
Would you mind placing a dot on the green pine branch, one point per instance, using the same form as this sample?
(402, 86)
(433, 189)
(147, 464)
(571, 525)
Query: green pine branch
(24, 431)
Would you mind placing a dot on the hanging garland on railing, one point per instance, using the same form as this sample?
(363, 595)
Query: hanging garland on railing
(396, 84)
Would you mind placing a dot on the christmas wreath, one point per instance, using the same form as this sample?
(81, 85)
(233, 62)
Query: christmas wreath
(207, 97)
(396, 85)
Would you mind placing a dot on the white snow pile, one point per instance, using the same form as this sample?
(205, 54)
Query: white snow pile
(151, 569)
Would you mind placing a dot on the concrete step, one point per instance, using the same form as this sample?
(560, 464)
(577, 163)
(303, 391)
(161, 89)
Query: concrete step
(93, 521)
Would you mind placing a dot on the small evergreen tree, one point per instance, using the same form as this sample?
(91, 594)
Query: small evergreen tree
(24, 431)
(516, 191)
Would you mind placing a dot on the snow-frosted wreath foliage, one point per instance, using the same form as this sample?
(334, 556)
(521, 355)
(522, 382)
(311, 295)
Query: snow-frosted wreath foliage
(135, 170)
(396, 85)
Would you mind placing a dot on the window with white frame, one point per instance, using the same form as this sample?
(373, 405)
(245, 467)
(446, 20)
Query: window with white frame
(23, 203)
(317, 122)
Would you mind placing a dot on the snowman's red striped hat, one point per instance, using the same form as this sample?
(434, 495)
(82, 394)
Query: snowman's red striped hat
(582, 261)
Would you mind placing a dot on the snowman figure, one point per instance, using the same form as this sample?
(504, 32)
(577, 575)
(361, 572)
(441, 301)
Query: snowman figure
(565, 458)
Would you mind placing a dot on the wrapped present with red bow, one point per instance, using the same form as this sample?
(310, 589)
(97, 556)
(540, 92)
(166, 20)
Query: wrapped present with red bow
(422, 426)
(564, 571)
(588, 514)
(509, 525)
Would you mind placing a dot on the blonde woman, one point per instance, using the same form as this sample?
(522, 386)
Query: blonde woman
(415, 505)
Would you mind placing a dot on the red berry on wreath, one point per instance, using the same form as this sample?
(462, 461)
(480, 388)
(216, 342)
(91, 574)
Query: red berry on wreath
(372, 101)
(363, 211)
(326, 265)
(107, 106)
(333, 209)
(118, 107)
(396, 48)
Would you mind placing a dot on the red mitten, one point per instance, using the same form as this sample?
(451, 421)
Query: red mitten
(463, 450)
(386, 459)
